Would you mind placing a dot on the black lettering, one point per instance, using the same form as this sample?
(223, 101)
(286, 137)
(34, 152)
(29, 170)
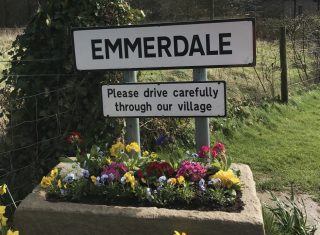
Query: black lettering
(110, 92)
(208, 44)
(133, 46)
(176, 48)
(165, 46)
(148, 47)
(222, 43)
(196, 46)
(96, 49)
(117, 45)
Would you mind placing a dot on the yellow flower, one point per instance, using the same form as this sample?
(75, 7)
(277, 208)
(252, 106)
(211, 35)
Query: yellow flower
(108, 161)
(154, 155)
(181, 179)
(177, 233)
(10, 232)
(3, 189)
(2, 210)
(172, 181)
(3, 221)
(130, 179)
(93, 179)
(133, 146)
(227, 178)
(116, 149)
(46, 181)
(145, 153)
(54, 172)
(59, 184)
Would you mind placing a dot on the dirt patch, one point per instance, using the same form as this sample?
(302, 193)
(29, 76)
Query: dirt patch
(312, 207)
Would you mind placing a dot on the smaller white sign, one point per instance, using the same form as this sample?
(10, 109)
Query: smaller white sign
(183, 99)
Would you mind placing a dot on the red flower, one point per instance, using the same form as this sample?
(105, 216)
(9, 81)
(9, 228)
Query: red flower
(159, 169)
(140, 174)
(204, 151)
(74, 138)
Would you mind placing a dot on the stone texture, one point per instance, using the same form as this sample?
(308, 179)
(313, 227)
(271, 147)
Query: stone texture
(36, 216)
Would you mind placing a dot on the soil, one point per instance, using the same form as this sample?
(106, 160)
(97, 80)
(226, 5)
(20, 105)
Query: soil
(312, 207)
(194, 205)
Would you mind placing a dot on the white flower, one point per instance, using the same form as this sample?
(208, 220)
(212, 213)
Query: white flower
(162, 179)
(69, 178)
(123, 180)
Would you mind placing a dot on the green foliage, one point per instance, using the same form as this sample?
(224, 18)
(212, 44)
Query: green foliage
(290, 217)
(170, 195)
(70, 100)
(270, 226)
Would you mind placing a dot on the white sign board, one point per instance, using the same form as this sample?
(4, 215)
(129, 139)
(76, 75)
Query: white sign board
(226, 43)
(183, 99)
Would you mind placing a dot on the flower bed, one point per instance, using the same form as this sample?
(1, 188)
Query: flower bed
(120, 176)
(121, 192)
(37, 216)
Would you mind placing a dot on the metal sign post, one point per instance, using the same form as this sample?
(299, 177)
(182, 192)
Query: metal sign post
(202, 123)
(132, 124)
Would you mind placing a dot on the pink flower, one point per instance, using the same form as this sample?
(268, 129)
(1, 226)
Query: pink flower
(116, 169)
(204, 151)
(193, 171)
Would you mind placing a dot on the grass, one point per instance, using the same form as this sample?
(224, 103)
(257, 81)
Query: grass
(281, 144)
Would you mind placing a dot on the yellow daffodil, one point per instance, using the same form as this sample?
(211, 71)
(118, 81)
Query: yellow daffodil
(177, 233)
(153, 155)
(180, 180)
(116, 149)
(46, 181)
(227, 178)
(93, 179)
(10, 232)
(145, 153)
(59, 184)
(172, 181)
(3, 221)
(133, 147)
(3, 189)
(2, 210)
(54, 172)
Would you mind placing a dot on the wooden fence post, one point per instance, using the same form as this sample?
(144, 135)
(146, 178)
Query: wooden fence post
(283, 64)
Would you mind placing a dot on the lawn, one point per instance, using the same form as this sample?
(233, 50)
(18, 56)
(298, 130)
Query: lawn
(282, 145)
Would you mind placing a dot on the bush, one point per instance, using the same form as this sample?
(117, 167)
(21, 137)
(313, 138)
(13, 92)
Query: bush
(68, 100)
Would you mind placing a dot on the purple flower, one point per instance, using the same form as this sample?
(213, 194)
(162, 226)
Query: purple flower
(104, 178)
(85, 173)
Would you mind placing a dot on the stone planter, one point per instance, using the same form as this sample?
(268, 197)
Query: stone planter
(36, 216)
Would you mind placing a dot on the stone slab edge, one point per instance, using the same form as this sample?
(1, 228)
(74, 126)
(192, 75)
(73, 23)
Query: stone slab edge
(36, 216)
